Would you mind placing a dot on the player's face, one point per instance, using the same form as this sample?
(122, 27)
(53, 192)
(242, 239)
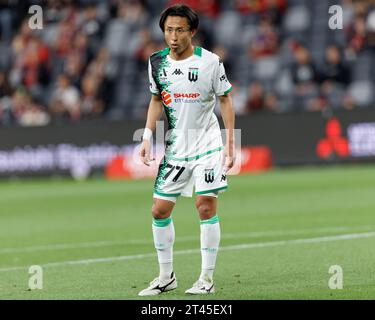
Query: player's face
(177, 34)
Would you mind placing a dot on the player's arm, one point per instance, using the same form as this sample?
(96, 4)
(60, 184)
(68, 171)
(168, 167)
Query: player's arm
(155, 109)
(227, 113)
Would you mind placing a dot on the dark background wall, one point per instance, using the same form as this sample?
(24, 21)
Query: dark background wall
(293, 138)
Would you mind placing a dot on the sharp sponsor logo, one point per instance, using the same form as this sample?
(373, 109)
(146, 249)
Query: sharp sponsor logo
(186, 95)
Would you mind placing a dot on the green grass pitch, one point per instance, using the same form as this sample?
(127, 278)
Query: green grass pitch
(281, 232)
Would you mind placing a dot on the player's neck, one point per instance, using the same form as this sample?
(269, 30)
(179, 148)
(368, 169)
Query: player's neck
(188, 52)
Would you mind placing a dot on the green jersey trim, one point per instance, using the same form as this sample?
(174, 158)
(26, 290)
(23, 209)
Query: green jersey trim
(164, 52)
(213, 220)
(162, 222)
(198, 51)
(197, 156)
(229, 90)
(212, 190)
(167, 194)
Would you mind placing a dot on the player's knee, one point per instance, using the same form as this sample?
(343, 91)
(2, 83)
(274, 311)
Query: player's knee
(159, 213)
(206, 210)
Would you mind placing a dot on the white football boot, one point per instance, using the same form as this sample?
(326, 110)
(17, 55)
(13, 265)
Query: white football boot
(201, 287)
(158, 286)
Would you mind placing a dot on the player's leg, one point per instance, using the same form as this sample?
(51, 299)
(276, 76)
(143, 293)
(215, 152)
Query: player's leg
(164, 235)
(209, 181)
(210, 240)
(170, 181)
(210, 234)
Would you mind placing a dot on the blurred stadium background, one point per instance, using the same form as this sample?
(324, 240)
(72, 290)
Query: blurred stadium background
(73, 93)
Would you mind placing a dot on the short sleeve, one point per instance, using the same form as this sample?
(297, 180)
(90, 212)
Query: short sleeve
(153, 88)
(221, 84)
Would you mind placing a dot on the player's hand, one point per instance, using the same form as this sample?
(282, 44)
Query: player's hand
(144, 152)
(229, 159)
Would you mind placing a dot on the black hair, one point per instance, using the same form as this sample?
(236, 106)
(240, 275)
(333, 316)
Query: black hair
(180, 10)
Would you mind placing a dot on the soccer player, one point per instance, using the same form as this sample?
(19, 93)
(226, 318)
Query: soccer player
(185, 81)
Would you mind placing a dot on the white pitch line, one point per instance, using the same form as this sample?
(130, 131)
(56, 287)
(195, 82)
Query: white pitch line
(244, 246)
(107, 243)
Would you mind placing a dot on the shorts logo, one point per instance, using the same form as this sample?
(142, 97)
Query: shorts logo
(223, 177)
(166, 97)
(209, 176)
(193, 74)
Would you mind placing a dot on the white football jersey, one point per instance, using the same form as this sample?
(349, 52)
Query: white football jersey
(188, 89)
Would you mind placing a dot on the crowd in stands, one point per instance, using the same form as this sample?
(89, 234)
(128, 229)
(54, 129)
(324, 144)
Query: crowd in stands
(90, 58)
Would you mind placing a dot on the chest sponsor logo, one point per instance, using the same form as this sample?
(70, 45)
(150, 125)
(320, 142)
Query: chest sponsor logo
(193, 74)
(186, 97)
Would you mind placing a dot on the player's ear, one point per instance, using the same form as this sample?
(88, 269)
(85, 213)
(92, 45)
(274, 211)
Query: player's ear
(193, 32)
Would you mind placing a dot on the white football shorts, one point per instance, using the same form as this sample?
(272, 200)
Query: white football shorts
(177, 178)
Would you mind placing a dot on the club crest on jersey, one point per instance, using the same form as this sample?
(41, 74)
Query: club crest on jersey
(209, 175)
(193, 74)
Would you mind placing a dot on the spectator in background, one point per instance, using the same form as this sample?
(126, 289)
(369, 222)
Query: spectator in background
(224, 55)
(259, 99)
(92, 106)
(5, 88)
(133, 12)
(334, 70)
(65, 101)
(370, 26)
(273, 10)
(5, 94)
(266, 41)
(103, 71)
(27, 112)
(305, 79)
(356, 37)
(146, 47)
(92, 27)
(209, 8)
(334, 77)
(67, 29)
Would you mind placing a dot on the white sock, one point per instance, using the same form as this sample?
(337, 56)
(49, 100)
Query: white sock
(210, 239)
(163, 232)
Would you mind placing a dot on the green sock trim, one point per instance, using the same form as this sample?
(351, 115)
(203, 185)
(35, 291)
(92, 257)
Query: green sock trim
(161, 222)
(214, 219)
